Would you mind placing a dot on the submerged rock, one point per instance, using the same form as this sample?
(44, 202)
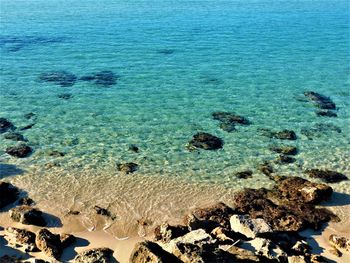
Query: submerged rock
(205, 141)
(284, 149)
(15, 136)
(103, 212)
(55, 153)
(29, 115)
(227, 127)
(8, 194)
(134, 148)
(49, 243)
(65, 96)
(20, 151)
(21, 238)
(27, 127)
(285, 159)
(266, 168)
(326, 175)
(320, 129)
(166, 232)
(149, 252)
(229, 117)
(249, 227)
(320, 100)
(61, 78)
(103, 78)
(27, 215)
(244, 174)
(5, 125)
(326, 113)
(166, 51)
(127, 168)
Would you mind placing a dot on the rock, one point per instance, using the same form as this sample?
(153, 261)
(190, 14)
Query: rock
(297, 259)
(5, 125)
(134, 148)
(320, 100)
(320, 129)
(266, 248)
(166, 232)
(205, 141)
(301, 248)
(327, 176)
(61, 78)
(127, 168)
(244, 174)
(8, 194)
(209, 217)
(283, 159)
(227, 127)
(326, 113)
(29, 115)
(317, 259)
(66, 240)
(284, 149)
(27, 127)
(240, 254)
(248, 227)
(55, 153)
(20, 151)
(149, 252)
(103, 78)
(26, 201)
(300, 190)
(49, 243)
(229, 117)
(335, 252)
(285, 135)
(223, 235)
(27, 215)
(103, 211)
(65, 96)
(266, 169)
(341, 243)
(15, 136)
(21, 238)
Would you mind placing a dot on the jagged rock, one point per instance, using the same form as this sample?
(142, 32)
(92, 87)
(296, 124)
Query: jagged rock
(127, 168)
(49, 243)
(21, 150)
(297, 259)
(209, 217)
(67, 240)
(26, 201)
(284, 149)
(149, 252)
(8, 194)
(61, 78)
(244, 174)
(326, 113)
(5, 125)
(326, 175)
(341, 243)
(21, 238)
(103, 78)
(285, 159)
(249, 227)
(240, 254)
(205, 141)
(15, 136)
(166, 232)
(266, 248)
(27, 215)
(320, 100)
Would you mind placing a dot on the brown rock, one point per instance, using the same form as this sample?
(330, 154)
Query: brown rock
(27, 215)
(326, 175)
(8, 194)
(95, 255)
(149, 252)
(339, 242)
(244, 174)
(166, 232)
(20, 151)
(205, 141)
(127, 168)
(21, 238)
(67, 240)
(49, 243)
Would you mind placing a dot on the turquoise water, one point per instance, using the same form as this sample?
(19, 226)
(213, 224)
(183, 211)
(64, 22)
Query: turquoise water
(177, 62)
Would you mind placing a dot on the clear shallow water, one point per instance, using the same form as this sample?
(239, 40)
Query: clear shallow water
(177, 62)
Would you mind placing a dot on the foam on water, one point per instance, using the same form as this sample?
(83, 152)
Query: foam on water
(177, 62)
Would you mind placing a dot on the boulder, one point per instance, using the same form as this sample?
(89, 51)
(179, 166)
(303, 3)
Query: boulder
(15, 136)
(223, 235)
(249, 227)
(320, 100)
(49, 243)
(284, 149)
(21, 238)
(240, 254)
(127, 168)
(61, 78)
(166, 232)
(205, 141)
(149, 252)
(5, 125)
(244, 174)
(341, 243)
(8, 194)
(20, 151)
(27, 215)
(266, 248)
(327, 176)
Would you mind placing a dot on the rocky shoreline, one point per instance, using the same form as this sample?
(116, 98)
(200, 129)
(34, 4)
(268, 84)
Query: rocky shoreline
(262, 225)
